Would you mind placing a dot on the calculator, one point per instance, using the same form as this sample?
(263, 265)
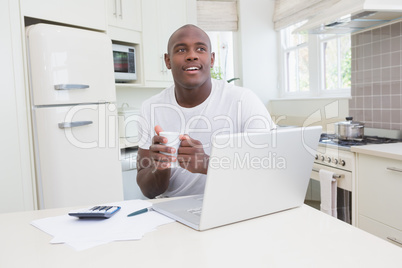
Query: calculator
(101, 212)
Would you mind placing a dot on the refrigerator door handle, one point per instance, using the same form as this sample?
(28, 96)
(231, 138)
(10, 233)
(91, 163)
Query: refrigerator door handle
(74, 124)
(70, 86)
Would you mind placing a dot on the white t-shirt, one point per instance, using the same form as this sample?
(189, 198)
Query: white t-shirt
(228, 109)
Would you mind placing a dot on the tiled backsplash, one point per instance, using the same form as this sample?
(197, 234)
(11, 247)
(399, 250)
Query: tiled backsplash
(377, 77)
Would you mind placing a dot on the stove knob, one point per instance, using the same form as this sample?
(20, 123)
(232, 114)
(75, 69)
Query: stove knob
(322, 158)
(336, 161)
(316, 157)
(342, 162)
(329, 159)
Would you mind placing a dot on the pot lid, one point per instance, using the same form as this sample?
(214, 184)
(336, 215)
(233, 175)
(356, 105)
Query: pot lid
(349, 121)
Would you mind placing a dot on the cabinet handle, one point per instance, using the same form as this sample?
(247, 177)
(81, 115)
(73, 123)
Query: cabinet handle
(121, 10)
(74, 124)
(162, 65)
(70, 86)
(115, 8)
(335, 176)
(394, 169)
(393, 239)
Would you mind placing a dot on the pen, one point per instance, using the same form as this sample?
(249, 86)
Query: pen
(139, 212)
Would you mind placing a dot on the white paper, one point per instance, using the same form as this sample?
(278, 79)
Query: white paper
(86, 233)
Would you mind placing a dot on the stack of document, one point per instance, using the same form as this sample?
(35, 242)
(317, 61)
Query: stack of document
(82, 234)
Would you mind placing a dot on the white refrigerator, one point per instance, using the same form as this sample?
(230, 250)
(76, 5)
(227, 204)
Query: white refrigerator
(74, 117)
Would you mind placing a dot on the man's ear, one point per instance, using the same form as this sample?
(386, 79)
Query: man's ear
(167, 61)
(212, 59)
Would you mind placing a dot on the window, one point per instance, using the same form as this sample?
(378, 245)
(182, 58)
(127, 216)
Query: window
(314, 65)
(222, 45)
(220, 25)
(296, 60)
(336, 56)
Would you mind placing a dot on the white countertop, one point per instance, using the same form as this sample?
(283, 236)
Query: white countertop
(301, 237)
(389, 150)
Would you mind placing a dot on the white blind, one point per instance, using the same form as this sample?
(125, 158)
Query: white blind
(217, 15)
(288, 12)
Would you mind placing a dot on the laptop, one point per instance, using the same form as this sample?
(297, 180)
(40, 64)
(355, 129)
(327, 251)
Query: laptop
(249, 175)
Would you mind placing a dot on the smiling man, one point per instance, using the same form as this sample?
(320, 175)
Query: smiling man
(199, 108)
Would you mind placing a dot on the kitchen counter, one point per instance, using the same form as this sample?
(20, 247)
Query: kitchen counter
(301, 237)
(389, 150)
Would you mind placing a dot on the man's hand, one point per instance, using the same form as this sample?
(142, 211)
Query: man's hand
(160, 161)
(191, 155)
(153, 167)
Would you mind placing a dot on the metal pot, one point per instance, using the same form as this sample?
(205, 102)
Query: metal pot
(349, 129)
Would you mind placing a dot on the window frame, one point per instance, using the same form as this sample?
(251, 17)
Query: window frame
(286, 51)
(316, 66)
(324, 91)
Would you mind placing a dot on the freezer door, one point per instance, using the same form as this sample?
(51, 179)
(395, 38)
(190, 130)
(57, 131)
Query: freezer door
(69, 65)
(77, 155)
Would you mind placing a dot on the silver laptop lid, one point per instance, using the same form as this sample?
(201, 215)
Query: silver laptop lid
(254, 174)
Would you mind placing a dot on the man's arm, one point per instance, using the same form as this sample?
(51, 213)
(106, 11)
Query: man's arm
(153, 167)
(151, 180)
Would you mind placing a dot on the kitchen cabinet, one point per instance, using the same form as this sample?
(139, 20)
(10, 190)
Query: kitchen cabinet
(16, 162)
(88, 14)
(379, 184)
(129, 167)
(160, 19)
(124, 27)
(124, 21)
(125, 14)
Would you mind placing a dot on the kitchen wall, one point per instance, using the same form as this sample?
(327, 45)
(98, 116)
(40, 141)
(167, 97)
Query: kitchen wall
(17, 191)
(309, 112)
(377, 77)
(257, 48)
(134, 96)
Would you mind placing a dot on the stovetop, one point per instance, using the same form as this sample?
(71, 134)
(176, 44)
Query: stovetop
(333, 140)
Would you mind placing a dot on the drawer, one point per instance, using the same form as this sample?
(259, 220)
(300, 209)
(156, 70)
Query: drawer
(381, 230)
(379, 190)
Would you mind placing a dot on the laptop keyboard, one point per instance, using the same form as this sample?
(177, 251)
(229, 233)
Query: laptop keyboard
(195, 211)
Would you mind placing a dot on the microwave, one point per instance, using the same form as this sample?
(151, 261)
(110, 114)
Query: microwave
(124, 59)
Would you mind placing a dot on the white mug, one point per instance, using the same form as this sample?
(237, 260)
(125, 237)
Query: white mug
(173, 141)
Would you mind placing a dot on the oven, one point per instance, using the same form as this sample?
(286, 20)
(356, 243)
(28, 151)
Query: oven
(335, 156)
(341, 163)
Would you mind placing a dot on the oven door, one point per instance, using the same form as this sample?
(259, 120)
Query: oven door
(344, 191)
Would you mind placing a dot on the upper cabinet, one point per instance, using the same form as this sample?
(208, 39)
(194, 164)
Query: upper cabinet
(124, 21)
(125, 14)
(125, 27)
(87, 14)
(160, 19)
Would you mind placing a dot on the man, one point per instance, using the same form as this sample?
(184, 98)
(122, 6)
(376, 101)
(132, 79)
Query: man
(197, 107)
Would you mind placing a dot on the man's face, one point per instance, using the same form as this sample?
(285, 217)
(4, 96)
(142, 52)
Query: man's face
(190, 57)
